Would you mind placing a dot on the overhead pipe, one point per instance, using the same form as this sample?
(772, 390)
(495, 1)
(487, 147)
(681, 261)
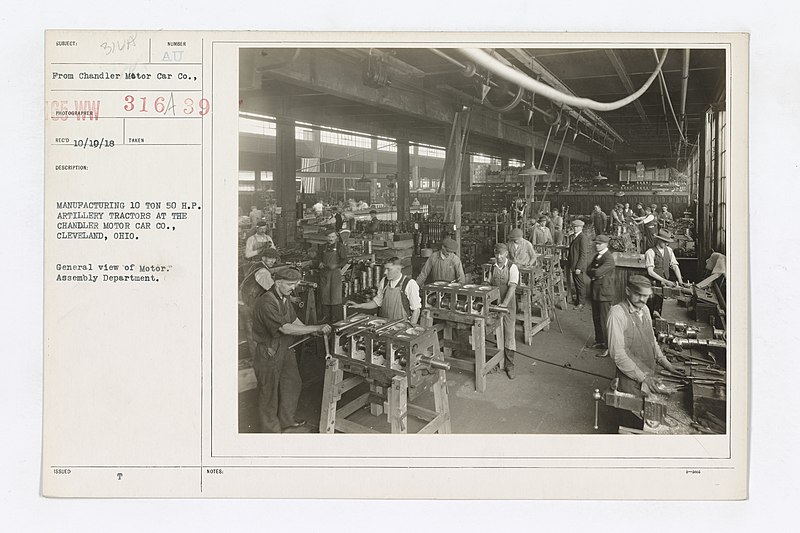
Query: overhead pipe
(684, 86)
(519, 78)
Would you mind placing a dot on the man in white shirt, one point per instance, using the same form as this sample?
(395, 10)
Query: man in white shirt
(398, 295)
(505, 276)
(255, 216)
(658, 261)
(256, 243)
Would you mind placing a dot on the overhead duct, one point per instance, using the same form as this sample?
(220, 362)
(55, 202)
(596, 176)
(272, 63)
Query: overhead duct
(519, 78)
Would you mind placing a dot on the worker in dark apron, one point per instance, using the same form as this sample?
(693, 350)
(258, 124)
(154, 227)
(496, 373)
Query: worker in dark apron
(332, 256)
(256, 282)
(633, 346)
(398, 295)
(505, 276)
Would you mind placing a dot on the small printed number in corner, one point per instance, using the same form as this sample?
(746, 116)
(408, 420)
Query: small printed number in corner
(693, 471)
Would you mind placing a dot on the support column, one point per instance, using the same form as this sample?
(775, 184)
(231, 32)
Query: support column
(528, 156)
(285, 176)
(403, 176)
(565, 174)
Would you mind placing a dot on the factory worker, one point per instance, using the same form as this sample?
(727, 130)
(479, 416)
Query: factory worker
(505, 276)
(257, 281)
(331, 257)
(633, 346)
(256, 243)
(444, 265)
(520, 250)
(659, 260)
(578, 259)
(398, 295)
(275, 327)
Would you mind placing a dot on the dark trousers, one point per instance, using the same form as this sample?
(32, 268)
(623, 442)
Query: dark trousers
(335, 313)
(580, 284)
(655, 303)
(600, 316)
(279, 387)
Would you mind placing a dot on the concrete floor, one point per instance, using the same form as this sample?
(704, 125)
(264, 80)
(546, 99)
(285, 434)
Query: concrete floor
(552, 397)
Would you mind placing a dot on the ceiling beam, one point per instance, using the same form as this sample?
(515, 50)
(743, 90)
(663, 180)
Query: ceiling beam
(321, 71)
(616, 62)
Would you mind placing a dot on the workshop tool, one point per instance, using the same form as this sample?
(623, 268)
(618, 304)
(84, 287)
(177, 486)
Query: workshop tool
(597, 397)
(651, 409)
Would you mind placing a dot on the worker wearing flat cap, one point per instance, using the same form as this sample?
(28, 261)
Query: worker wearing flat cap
(257, 281)
(632, 344)
(256, 243)
(659, 260)
(541, 233)
(520, 250)
(332, 256)
(649, 227)
(444, 265)
(578, 259)
(275, 326)
(505, 275)
(601, 274)
(374, 225)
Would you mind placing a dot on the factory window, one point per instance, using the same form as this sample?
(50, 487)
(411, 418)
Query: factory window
(430, 151)
(303, 133)
(387, 145)
(345, 139)
(256, 126)
(266, 175)
(515, 163)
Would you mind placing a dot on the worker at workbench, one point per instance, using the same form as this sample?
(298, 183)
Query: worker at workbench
(665, 217)
(505, 276)
(599, 220)
(332, 256)
(256, 243)
(578, 259)
(374, 225)
(255, 216)
(658, 261)
(632, 344)
(338, 221)
(601, 274)
(257, 281)
(541, 233)
(275, 324)
(649, 225)
(444, 265)
(520, 250)
(398, 295)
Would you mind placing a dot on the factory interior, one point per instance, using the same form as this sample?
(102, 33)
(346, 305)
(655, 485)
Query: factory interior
(475, 241)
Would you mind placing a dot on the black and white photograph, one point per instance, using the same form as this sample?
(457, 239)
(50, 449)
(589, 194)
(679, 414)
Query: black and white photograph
(463, 240)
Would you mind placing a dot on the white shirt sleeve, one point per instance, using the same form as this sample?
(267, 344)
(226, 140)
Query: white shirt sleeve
(649, 258)
(378, 299)
(672, 260)
(412, 292)
(513, 275)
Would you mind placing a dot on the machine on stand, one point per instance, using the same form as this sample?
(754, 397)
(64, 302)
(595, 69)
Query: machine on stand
(399, 360)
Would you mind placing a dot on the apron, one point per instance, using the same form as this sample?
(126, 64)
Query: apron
(259, 247)
(330, 279)
(392, 306)
(640, 348)
(650, 229)
(500, 280)
(442, 269)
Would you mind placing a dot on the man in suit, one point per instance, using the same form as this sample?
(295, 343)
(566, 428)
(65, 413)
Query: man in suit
(578, 259)
(601, 273)
(599, 220)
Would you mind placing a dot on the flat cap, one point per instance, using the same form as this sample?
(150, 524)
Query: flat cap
(288, 274)
(450, 244)
(516, 233)
(500, 247)
(578, 222)
(602, 238)
(640, 285)
(261, 224)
